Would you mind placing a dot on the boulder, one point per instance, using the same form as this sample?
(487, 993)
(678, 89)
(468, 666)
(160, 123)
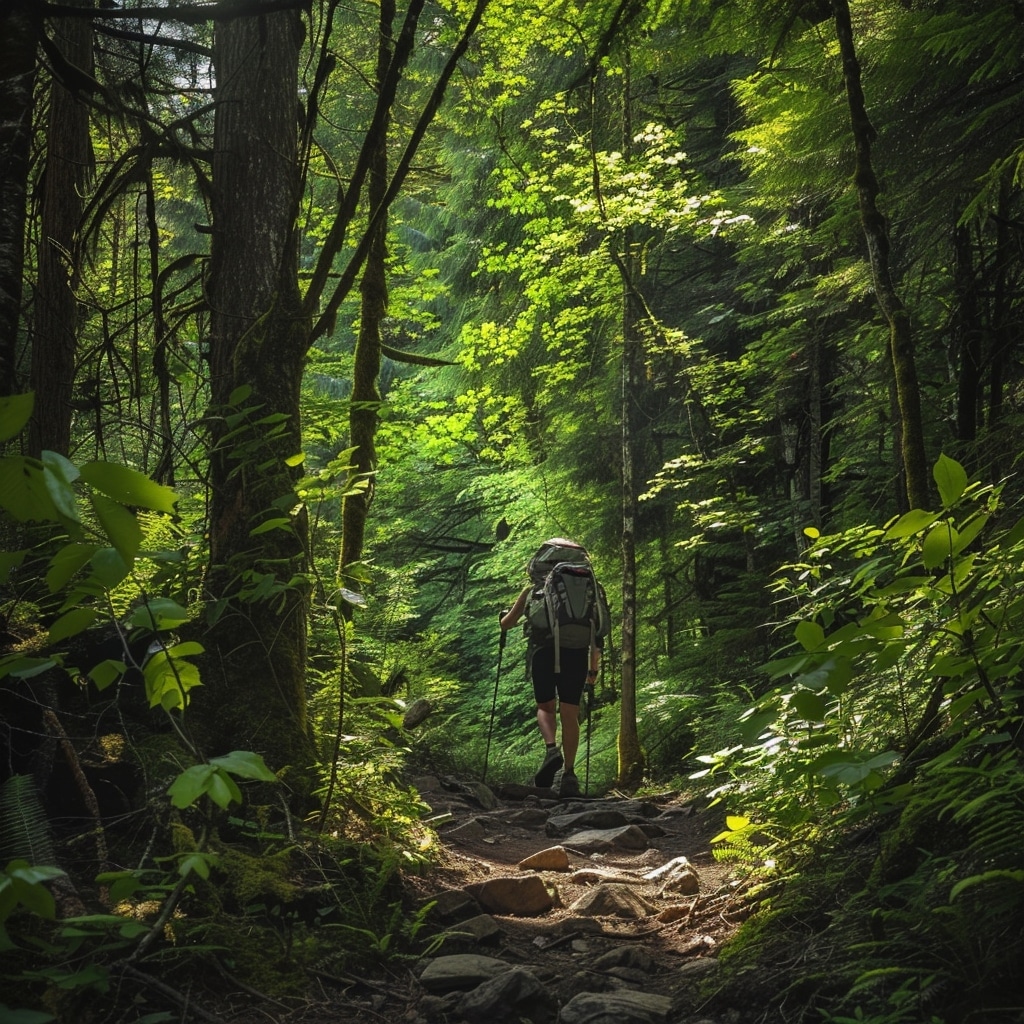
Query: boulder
(552, 859)
(460, 971)
(523, 896)
(616, 1008)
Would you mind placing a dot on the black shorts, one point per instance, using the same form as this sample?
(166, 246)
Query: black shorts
(567, 684)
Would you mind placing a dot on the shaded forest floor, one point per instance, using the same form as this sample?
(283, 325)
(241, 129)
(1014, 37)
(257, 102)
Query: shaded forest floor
(608, 929)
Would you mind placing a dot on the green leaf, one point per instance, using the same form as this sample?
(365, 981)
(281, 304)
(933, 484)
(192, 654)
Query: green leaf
(120, 526)
(938, 546)
(10, 560)
(66, 563)
(21, 1016)
(23, 490)
(246, 764)
(951, 479)
(197, 862)
(109, 567)
(270, 524)
(1000, 875)
(223, 790)
(159, 613)
(59, 474)
(809, 705)
(810, 635)
(190, 785)
(72, 623)
(169, 677)
(128, 486)
(24, 668)
(107, 672)
(15, 411)
(910, 523)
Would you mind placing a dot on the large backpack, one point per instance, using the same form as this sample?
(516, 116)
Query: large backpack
(567, 606)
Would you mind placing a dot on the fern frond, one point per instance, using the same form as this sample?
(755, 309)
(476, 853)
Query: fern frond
(24, 827)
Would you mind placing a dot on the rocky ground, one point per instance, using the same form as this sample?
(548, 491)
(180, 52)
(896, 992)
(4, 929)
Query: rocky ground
(584, 911)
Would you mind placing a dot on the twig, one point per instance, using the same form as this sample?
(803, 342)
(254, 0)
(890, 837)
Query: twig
(238, 983)
(171, 993)
(71, 756)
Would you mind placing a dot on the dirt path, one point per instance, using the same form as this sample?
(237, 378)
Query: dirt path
(608, 933)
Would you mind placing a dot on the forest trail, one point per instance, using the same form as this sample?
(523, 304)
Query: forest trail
(579, 911)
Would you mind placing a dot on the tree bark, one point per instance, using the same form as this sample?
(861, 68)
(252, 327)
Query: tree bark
(55, 307)
(630, 753)
(253, 695)
(18, 58)
(901, 338)
(364, 409)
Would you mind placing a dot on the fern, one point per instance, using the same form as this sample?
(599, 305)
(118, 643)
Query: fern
(24, 828)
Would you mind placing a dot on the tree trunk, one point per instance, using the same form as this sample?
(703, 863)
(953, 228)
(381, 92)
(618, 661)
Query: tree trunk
(364, 409)
(631, 759)
(55, 308)
(254, 693)
(18, 59)
(901, 340)
(969, 334)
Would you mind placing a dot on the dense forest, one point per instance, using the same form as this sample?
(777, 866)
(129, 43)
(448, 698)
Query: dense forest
(316, 319)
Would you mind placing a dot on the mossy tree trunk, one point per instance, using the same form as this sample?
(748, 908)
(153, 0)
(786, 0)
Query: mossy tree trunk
(254, 694)
(18, 57)
(55, 306)
(364, 410)
(876, 234)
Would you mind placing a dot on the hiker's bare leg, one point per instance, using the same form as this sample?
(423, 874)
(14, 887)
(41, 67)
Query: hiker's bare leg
(546, 721)
(570, 715)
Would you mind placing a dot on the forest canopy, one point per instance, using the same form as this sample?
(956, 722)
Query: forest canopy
(317, 319)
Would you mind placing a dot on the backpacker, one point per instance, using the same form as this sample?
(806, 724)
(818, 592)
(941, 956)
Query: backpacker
(567, 606)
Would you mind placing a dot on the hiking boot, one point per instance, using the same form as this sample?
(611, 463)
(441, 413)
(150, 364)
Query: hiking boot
(568, 785)
(546, 775)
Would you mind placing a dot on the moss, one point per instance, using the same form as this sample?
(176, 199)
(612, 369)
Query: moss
(257, 879)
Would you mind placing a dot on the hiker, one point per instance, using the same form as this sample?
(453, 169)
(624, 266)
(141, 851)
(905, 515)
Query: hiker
(564, 657)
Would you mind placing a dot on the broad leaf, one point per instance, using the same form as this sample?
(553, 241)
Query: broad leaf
(912, 522)
(159, 613)
(120, 526)
(15, 411)
(951, 479)
(72, 623)
(128, 486)
(810, 635)
(245, 764)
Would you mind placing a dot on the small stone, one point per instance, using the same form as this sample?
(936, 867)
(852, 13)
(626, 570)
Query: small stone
(482, 929)
(628, 837)
(601, 818)
(616, 1008)
(462, 970)
(453, 905)
(552, 859)
(614, 901)
(525, 896)
(416, 712)
(481, 794)
(674, 913)
(472, 829)
(516, 990)
(632, 957)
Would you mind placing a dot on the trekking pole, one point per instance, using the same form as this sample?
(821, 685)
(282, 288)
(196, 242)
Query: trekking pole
(494, 703)
(590, 725)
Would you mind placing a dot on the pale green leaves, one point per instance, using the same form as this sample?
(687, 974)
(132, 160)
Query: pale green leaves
(214, 779)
